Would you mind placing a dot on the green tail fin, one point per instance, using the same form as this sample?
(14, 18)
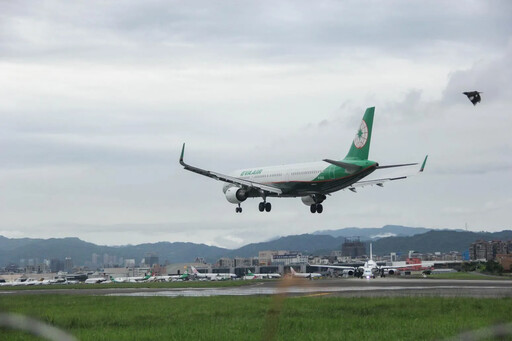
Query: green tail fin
(361, 145)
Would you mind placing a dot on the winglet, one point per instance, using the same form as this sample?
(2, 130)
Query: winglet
(423, 165)
(182, 153)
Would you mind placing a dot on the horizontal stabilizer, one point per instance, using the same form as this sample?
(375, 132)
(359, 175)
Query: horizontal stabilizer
(393, 166)
(351, 168)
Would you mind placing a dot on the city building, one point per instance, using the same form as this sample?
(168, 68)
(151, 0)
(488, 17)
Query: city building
(289, 258)
(225, 262)
(265, 257)
(488, 250)
(353, 248)
(150, 259)
(129, 263)
(505, 260)
(68, 264)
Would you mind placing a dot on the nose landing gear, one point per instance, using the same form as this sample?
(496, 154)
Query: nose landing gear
(238, 209)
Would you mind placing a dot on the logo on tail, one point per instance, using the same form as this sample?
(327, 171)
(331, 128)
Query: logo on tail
(361, 135)
(360, 147)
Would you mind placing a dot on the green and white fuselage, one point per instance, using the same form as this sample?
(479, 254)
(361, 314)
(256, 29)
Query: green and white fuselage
(309, 181)
(297, 180)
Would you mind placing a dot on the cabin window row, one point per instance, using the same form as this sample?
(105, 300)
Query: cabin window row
(304, 172)
(265, 175)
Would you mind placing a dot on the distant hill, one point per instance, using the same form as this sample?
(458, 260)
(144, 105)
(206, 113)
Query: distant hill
(433, 241)
(374, 233)
(12, 250)
(305, 243)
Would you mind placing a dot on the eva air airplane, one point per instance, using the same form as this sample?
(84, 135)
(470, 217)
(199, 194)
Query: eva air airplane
(312, 182)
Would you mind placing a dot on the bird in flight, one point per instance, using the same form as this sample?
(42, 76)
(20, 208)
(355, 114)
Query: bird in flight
(473, 96)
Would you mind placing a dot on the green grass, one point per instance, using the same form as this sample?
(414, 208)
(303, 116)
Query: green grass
(185, 284)
(467, 275)
(250, 318)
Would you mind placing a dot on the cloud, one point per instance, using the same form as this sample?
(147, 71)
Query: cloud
(97, 99)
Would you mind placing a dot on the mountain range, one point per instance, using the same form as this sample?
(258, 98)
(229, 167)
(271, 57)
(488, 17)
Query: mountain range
(375, 233)
(322, 242)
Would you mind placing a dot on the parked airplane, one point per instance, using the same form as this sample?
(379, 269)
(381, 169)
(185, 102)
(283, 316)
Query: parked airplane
(251, 275)
(95, 280)
(309, 275)
(212, 276)
(135, 279)
(312, 182)
(184, 276)
(370, 269)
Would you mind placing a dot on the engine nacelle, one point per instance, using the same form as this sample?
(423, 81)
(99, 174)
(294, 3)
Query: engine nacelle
(235, 195)
(348, 272)
(393, 272)
(308, 200)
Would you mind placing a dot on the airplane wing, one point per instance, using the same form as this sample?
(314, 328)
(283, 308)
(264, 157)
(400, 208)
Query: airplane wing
(380, 182)
(342, 267)
(229, 179)
(398, 266)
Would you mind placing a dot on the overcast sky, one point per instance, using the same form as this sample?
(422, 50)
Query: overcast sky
(98, 96)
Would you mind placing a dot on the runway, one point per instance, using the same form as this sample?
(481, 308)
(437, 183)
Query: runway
(380, 287)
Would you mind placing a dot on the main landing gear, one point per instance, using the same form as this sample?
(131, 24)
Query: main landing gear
(238, 209)
(316, 208)
(265, 206)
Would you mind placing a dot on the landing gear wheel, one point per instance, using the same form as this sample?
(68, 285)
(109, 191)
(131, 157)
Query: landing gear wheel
(312, 208)
(319, 208)
(261, 206)
(268, 206)
(238, 209)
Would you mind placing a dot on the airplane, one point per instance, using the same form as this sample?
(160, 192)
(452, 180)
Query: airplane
(168, 278)
(95, 280)
(251, 275)
(212, 276)
(309, 275)
(370, 269)
(312, 182)
(136, 279)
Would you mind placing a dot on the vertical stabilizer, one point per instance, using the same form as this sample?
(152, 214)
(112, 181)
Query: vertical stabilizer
(371, 253)
(360, 147)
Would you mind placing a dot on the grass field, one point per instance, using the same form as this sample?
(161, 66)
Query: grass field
(257, 318)
(467, 275)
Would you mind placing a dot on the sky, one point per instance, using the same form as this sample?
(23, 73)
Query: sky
(98, 97)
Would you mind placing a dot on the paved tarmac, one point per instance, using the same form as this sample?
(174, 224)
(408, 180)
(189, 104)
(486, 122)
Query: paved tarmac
(379, 287)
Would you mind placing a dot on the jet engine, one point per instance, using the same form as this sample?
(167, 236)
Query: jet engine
(236, 195)
(308, 200)
(348, 272)
(392, 272)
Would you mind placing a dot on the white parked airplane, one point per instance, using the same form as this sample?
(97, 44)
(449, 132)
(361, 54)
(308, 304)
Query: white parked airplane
(309, 275)
(370, 269)
(212, 276)
(95, 280)
(132, 279)
(251, 275)
(312, 182)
